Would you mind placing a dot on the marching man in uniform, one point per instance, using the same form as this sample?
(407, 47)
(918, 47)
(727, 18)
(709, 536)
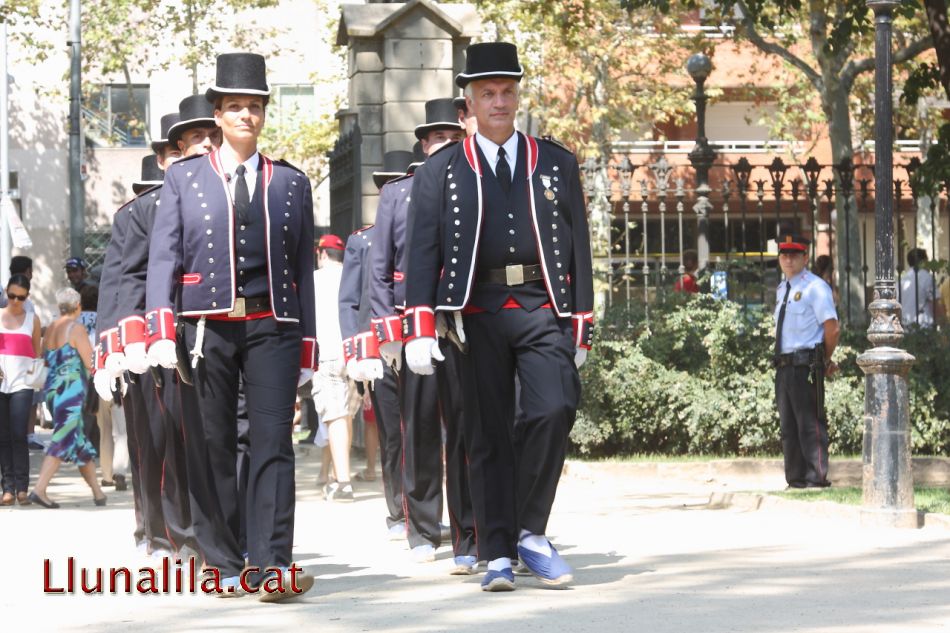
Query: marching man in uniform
(806, 334)
(500, 245)
(234, 259)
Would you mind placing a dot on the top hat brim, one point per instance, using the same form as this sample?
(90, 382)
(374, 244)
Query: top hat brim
(380, 178)
(175, 131)
(212, 93)
(463, 79)
(413, 167)
(159, 143)
(141, 185)
(423, 130)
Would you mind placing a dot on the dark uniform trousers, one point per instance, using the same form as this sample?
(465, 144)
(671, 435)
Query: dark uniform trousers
(147, 462)
(803, 423)
(259, 351)
(421, 456)
(538, 348)
(385, 398)
(243, 464)
(458, 496)
(134, 465)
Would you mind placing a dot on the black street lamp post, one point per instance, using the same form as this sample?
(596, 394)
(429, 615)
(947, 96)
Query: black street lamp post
(888, 498)
(702, 156)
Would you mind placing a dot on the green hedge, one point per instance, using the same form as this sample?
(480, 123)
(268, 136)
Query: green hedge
(697, 380)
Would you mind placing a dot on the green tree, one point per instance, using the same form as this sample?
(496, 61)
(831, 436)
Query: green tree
(830, 45)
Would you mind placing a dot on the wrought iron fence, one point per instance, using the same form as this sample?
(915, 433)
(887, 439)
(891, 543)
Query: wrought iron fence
(644, 212)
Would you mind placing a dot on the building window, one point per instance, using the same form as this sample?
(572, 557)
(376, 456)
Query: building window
(116, 115)
(291, 105)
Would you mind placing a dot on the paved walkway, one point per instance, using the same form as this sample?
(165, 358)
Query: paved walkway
(649, 556)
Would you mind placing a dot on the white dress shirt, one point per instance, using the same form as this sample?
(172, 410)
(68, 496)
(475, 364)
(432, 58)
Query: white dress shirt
(490, 150)
(918, 293)
(250, 176)
(810, 304)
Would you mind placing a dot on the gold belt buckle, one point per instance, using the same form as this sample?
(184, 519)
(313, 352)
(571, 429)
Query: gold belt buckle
(239, 311)
(514, 275)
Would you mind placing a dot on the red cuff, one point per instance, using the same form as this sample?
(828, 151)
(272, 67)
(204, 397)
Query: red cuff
(309, 353)
(366, 345)
(419, 322)
(583, 325)
(110, 342)
(132, 330)
(349, 350)
(160, 325)
(388, 329)
(100, 358)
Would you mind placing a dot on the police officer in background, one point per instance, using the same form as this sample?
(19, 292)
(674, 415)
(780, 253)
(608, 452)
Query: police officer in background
(806, 334)
(523, 306)
(234, 260)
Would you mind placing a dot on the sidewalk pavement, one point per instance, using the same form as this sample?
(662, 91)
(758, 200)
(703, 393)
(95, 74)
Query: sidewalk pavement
(648, 551)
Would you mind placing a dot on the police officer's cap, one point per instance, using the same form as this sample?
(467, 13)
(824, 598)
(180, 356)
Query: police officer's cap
(193, 111)
(239, 73)
(441, 114)
(168, 121)
(490, 60)
(793, 243)
(395, 164)
(152, 175)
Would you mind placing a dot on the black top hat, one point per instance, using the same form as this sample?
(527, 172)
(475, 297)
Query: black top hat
(441, 114)
(459, 103)
(239, 73)
(418, 157)
(793, 243)
(151, 175)
(395, 165)
(195, 111)
(488, 60)
(168, 121)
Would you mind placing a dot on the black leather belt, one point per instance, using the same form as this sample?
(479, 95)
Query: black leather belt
(798, 358)
(244, 306)
(514, 275)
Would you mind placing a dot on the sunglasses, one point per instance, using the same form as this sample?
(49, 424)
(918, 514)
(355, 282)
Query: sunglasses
(14, 297)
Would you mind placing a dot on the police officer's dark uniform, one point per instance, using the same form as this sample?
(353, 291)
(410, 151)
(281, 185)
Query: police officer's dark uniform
(514, 258)
(426, 401)
(803, 304)
(167, 399)
(144, 463)
(240, 278)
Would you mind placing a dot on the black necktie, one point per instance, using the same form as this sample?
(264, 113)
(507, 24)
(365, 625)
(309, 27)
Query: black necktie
(781, 319)
(503, 171)
(242, 197)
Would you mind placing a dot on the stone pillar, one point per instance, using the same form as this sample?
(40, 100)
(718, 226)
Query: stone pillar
(400, 56)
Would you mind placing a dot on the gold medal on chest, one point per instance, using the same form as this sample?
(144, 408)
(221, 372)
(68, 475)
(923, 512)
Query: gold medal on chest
(549, 194)
(798, 296)
(546, 181)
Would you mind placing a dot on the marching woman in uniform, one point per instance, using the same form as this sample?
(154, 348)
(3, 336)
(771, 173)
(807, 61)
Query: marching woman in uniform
(233, 262)
(500, 244)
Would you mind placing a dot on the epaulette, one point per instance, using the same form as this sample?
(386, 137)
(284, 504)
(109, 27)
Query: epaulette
(395, 180)
(281, 161)
(145, 191)
(449, 144)
(185, 159)
(556, 143)
(124, 205)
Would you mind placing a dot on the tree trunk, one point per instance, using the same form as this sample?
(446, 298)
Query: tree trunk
(847, 240)
(940, 31)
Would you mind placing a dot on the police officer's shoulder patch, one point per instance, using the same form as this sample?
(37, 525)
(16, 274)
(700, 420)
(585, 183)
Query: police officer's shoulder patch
(556, 143)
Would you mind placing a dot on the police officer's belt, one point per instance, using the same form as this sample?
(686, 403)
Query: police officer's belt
(244, 306)
(798, 358)
(514, 275)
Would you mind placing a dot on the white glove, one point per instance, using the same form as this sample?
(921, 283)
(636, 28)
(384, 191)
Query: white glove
(580, 355)
(353, 370)
(136, 359)
(103, 381)
(420, 352)
(391, 354)
(305, 375)
(371, 369)
(115, 363)
(162, 353)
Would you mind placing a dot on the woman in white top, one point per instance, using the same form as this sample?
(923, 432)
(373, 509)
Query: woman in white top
(19, 346)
